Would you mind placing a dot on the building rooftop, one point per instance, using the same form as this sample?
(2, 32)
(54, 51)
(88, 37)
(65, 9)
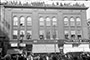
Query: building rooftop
(43, 5)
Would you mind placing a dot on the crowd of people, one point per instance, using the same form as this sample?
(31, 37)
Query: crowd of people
(55, 56)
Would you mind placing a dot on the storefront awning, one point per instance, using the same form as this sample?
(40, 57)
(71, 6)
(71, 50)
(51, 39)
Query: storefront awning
(45, 48)
(81, 47)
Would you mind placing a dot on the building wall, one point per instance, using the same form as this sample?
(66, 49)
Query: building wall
(3, 22)
(88, 23)
(36, 13)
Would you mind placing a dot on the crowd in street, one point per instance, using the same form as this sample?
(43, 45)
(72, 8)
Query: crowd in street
(68, 56)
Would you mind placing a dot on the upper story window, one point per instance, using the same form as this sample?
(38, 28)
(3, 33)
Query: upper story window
(78, 21)
(66, 32)
(48, 34)
(72, 21)
(15, 21)
(73, 34)
(54, 21)
(41, 21)
(22, 34)
(66, 21)
(41, 36)
(55, 34)
(15, 34)
(22, 21)
(48, 21)
(29, 34)
(29, 21)
(79, 34)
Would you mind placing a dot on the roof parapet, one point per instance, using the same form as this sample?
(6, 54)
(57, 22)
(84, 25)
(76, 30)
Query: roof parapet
(16, 4)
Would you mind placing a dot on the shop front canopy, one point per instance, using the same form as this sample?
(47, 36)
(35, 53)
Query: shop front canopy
(45, 48)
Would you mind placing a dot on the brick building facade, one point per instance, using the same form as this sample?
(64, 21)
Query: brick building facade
(43, 25)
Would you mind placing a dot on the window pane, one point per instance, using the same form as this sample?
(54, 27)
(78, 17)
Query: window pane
(15, 33)
(41, 21)
(79, 34)
(72, 22)
(48, 22)
(41, 36)
(66, 32)
(22, 34)
(48, 34)
(78, 21)
(41, 32)
(15, 21)
(66, 22)
(55, 34)
(72, 34)
(29, 34)
(22, 21)
(29, 21)
(54, 21)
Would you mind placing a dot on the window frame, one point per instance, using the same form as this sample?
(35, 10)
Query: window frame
(29, 21)
(73, 34)
(56, 33)
(72, 21)
(41, 21)
(78, 22)
(15, 33)
(48, 34)
(66, 32)
(79, 32)
(54, 21)
(22, 22)
(29, 31)
(48, 21)
(66, 21)
(15, 22)
(43, 34)
(21, 34)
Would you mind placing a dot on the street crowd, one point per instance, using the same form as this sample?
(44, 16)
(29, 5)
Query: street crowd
(68, 56)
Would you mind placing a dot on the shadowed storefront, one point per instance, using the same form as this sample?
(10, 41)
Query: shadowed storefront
(4, 42)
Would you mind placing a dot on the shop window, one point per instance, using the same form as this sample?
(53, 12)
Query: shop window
(66, 22)
(72, 34)
(54, 22)
(48, 21)
(48, 34)
(41, 21)
(29, 21)
(15, 21)
(29, 35)
(66, 34)
(72, 22)
(22, 21)
(78, 21)
(41, 36)
(15, 33)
